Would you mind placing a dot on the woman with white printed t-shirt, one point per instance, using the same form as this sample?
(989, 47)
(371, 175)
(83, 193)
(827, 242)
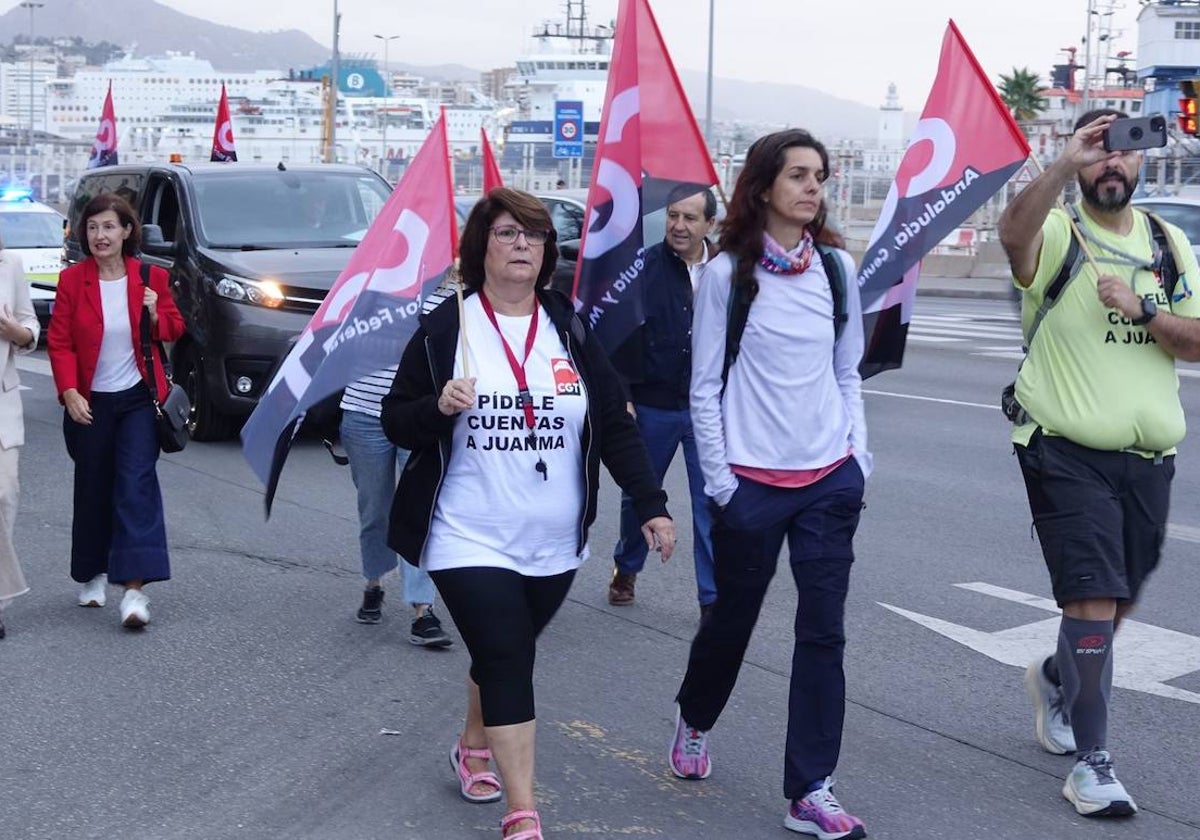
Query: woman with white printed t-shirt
(502, 481)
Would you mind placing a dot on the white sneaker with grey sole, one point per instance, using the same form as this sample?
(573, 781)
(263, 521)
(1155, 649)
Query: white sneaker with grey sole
(1051, 722)
(135, 612)
(1094, 790)
(92, 594)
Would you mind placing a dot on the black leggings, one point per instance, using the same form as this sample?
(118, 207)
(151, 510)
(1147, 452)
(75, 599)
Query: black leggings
(499, 614)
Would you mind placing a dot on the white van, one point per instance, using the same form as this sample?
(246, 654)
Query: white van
(34, 232)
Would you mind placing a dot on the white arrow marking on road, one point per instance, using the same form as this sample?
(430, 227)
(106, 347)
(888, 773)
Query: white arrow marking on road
(1145, 657)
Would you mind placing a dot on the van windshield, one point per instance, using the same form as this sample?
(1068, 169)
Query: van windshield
(31, 230)
(293, 209)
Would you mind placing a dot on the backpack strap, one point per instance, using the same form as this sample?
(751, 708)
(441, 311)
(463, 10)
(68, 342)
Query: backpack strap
(1071, 264)
(836, 273)
(738, 308)
(1166, 257)
(737, 313)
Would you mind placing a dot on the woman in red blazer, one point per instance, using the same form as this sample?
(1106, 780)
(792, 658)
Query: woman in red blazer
(118, 532)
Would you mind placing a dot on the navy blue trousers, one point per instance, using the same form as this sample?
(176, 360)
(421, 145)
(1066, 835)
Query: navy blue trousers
(818, 522)
(118, 524)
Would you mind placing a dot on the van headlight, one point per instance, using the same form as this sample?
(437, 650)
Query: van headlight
(258, 292)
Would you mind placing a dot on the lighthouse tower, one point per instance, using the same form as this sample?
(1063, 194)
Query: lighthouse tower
(889, 144)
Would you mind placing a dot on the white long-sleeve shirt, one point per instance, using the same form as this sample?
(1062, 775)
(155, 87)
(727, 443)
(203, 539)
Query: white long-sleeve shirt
(794, 396)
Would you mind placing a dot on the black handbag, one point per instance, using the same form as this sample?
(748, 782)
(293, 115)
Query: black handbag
(171, 415)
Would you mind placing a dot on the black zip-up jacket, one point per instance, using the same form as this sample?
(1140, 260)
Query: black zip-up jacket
(655, 362)
(412, 421)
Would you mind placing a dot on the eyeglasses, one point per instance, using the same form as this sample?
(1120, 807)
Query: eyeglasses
(507, 235)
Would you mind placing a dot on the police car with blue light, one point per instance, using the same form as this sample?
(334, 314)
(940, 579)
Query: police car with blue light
(33, 232)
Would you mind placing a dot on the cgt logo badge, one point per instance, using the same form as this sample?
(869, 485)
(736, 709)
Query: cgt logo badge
(566, 380)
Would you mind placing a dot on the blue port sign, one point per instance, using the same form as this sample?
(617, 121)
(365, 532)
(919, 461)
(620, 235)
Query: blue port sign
(568, 129)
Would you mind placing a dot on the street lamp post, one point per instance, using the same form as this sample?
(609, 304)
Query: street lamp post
(708, 101)
(335, 71)
(32, 7)
(387, 95)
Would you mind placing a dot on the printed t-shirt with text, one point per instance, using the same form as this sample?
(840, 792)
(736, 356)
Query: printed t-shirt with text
(495, 507)
(1092, 376)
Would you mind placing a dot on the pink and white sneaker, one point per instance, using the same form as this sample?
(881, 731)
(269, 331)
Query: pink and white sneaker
(821, 815)
(689, 751)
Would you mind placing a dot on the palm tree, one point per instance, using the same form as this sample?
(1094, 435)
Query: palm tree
(1022, 94)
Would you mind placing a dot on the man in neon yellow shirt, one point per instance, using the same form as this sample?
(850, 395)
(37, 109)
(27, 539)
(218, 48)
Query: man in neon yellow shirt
(1098, 453)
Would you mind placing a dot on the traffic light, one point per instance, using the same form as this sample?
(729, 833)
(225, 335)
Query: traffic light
(1189, 106)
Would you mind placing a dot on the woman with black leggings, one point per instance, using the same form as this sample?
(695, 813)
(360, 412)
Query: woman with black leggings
(501, 486)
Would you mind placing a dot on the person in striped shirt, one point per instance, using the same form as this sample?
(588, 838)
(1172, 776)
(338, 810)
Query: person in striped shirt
(374, 465)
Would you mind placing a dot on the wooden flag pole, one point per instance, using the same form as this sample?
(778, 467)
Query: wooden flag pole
(456, 279)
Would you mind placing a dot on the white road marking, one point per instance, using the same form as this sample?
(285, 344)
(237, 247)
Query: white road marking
(1187, 533)
(34, 365)
(934, 339)
(1015, 355)
(1183, 532)
(1145, 657)
(968, 330)
(930, 399)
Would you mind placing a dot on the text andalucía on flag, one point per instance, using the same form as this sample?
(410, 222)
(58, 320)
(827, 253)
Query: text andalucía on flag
(491, 171)
(104, 147)
(964, 149)
(224, 150)
(649, 149)
(370, 312)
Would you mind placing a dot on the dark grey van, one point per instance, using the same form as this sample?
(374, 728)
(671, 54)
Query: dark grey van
(252, 251)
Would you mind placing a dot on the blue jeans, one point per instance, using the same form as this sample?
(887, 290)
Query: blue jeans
(663, 431)
(374, 461)
(818, 523)
(117, 524)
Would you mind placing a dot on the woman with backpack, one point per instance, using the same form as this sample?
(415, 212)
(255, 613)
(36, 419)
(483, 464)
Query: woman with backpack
(777, 411)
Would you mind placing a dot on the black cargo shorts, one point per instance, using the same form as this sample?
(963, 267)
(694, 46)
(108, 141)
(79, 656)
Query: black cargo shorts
(1101, 516)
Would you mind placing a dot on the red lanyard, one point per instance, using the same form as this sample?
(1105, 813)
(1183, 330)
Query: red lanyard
(523, 396)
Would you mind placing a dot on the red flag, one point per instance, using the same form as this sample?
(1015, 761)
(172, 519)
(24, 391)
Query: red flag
(104, 147)
(649, 145)
(224, 150)
(370, 312)
(491, 172)
(964, 149)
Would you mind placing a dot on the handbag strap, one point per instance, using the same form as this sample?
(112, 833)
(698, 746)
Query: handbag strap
(147, 343)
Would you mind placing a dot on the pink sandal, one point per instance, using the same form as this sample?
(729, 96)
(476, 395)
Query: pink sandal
(514, 817)
(467, 780)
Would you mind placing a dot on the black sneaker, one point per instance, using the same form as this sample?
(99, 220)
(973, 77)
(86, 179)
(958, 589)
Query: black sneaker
(371, 611)
(427, 632)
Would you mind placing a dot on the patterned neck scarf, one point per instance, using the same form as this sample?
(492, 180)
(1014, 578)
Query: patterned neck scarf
(777, 260)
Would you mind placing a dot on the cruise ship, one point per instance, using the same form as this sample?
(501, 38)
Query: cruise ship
(165, 105)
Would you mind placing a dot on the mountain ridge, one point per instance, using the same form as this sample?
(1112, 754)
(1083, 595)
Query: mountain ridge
(150, 28)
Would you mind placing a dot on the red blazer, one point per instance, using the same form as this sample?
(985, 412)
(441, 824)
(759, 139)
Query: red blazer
(77, 324)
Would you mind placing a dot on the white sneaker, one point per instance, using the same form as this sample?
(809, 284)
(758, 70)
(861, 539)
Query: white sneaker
(1094, 790)
(135, 611)
(92, 594)
(1051, 723)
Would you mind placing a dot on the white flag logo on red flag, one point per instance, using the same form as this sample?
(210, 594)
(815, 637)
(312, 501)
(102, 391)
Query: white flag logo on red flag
(370, 312)
(649, 147)
(964, 149)
(104, 148)
(224, 150)
(491, 171)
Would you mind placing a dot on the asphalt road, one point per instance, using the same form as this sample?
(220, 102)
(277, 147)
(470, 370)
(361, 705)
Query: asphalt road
(254, 705)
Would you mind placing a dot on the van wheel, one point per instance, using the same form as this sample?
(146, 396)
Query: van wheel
(204, 423)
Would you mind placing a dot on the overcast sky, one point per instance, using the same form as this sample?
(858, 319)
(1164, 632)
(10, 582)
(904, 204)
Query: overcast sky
(849, 48)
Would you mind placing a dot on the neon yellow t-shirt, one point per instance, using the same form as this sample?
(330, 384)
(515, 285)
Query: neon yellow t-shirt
(1091, 376)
